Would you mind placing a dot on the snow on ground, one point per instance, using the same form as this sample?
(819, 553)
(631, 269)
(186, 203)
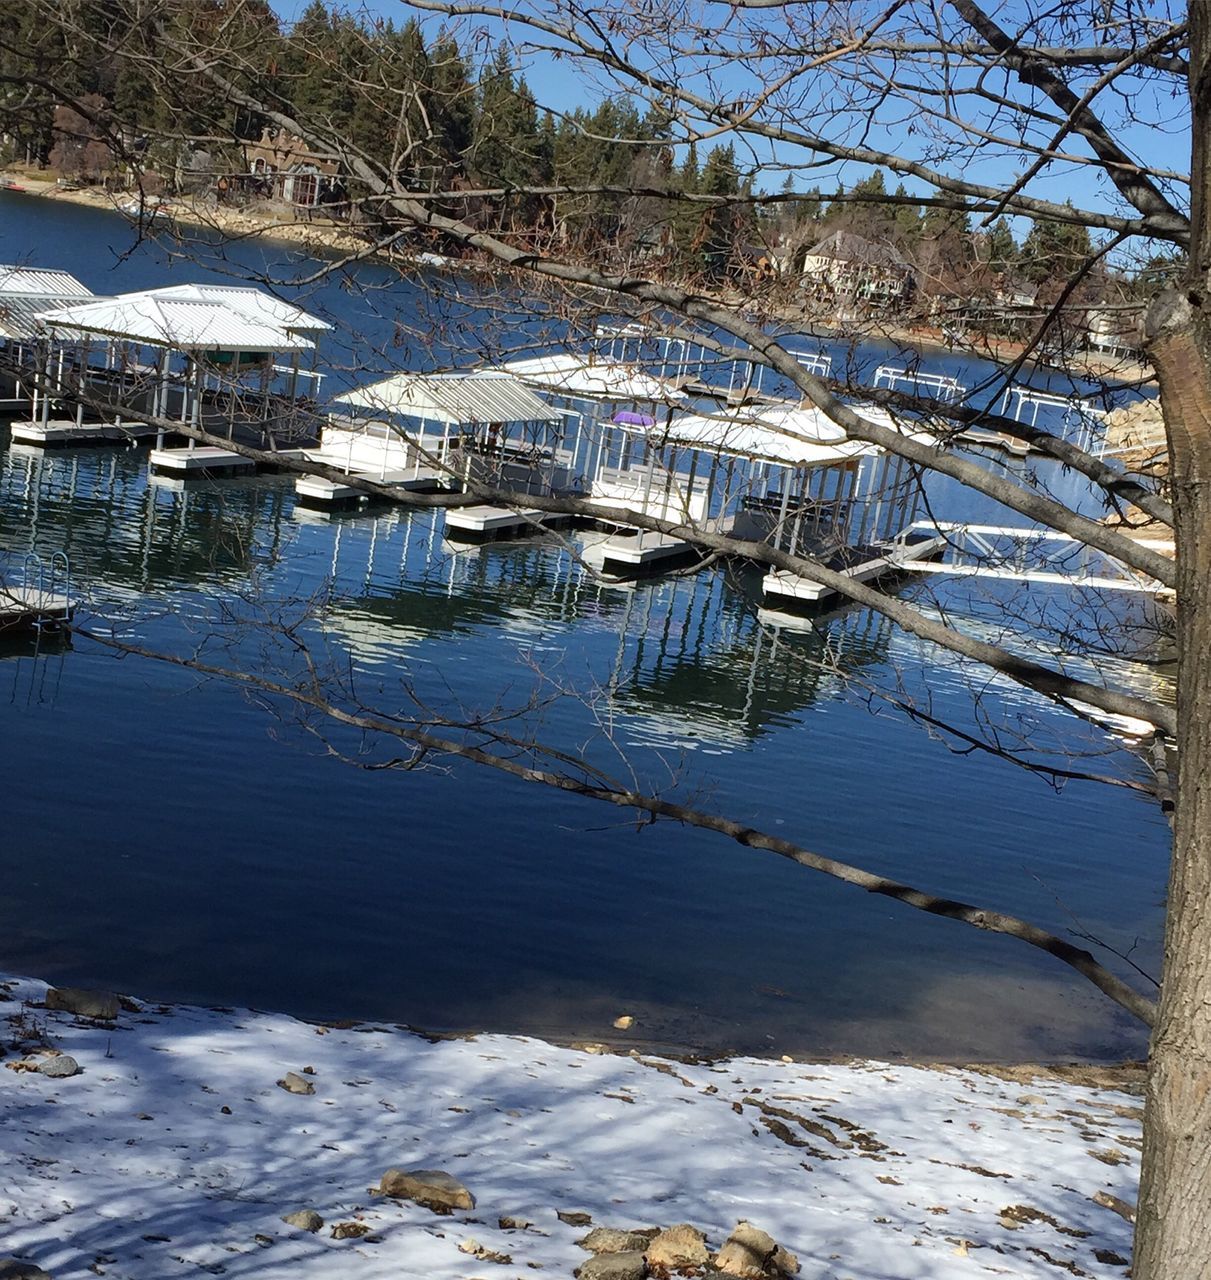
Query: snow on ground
(175, 1153)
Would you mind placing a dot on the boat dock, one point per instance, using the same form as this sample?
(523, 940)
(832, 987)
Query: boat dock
(68, 433)
(782, 589)
(634, 553)
(203, 460)
(484, 523)
(41, 599)
(320, 491)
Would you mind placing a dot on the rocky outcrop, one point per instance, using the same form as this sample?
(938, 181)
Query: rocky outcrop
(753, 1254)
(678, 1246)
(613, 1266)
(1137, 428)
(103, 1005)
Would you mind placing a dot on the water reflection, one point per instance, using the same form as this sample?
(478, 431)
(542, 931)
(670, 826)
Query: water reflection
(232, 866)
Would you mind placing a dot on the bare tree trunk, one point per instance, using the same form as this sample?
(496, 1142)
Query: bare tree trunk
(1173, 1224)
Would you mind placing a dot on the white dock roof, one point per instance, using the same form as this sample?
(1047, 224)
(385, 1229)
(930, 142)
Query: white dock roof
(453, 399)
(572, 374)
(786, 434)
(253, 304)
(27, 291)
(187, 318)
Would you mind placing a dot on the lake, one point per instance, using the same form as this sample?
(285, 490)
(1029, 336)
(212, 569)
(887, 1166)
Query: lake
(175, 838)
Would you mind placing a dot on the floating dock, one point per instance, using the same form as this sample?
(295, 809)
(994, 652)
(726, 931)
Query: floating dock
(209, 460)
(320, 491)
(634, 554)
(62, 433)
(782, 589)
(23, 607)
(483, 523)
(205, 460)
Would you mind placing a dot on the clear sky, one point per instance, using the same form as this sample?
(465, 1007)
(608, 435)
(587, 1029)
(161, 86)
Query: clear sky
(563, 84)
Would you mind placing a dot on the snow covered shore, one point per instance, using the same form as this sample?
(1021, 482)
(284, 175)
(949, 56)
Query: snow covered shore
(175, 1152)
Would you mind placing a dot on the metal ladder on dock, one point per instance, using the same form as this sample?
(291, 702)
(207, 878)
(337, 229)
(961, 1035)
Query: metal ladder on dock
(44, 595)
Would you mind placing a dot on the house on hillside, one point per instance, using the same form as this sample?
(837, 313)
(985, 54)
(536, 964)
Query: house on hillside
(846, 265)
(1117, 329)
(280, 166)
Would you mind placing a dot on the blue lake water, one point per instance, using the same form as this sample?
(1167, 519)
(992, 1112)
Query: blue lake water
(174, 837)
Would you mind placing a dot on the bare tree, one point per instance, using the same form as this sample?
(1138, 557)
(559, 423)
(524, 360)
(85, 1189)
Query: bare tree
(988, 111)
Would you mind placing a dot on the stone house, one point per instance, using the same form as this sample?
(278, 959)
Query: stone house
(849, 266)
(280, 166)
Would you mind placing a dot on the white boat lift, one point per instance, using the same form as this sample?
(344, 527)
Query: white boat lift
(198, 354)
(782, 473)
(1079, 420)
(1022, 555)
(916, 381)
(432, 432)
(25, 292)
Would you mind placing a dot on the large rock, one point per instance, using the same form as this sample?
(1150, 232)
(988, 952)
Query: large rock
(84, 1004)
(612, 1240)
(753, 1254)
(613, 1266)
(294, 1083)
(679, 1246)
(433, 1188)
(15, 1269)
(59, 1067)
(304, 1219)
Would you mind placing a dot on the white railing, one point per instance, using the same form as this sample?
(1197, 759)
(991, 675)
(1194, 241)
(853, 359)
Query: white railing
(940, 385)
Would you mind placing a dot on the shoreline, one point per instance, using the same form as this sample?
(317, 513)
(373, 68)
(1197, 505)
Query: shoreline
(143, 1137)
(323, 236)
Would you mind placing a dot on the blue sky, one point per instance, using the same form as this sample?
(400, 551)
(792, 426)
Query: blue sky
(562, 85)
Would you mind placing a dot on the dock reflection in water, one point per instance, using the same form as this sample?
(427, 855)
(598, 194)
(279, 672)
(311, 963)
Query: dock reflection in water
(180, 843)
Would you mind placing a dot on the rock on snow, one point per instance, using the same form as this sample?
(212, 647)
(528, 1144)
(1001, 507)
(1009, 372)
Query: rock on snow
(175, 1152)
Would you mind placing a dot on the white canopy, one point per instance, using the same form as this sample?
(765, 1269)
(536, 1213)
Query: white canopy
(254, 304)
(191, 318)
(453, 399)
(25, 292)
(784, 433)
(571, 374)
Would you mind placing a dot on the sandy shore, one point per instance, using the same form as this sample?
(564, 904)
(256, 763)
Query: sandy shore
(171, 1140)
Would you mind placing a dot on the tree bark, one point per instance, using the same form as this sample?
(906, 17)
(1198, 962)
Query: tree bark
(1173, 1222)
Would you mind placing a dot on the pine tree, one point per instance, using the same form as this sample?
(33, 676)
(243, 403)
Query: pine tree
(1002, 248)
(1053, 250)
